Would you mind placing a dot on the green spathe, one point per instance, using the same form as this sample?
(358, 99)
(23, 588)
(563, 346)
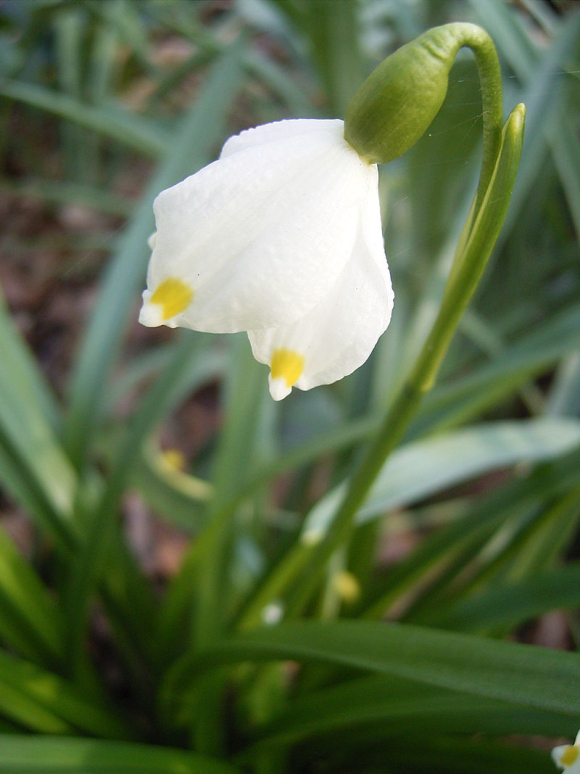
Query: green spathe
(397, 102)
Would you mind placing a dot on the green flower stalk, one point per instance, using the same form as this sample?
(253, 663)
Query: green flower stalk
(392, 109)
(389, 113)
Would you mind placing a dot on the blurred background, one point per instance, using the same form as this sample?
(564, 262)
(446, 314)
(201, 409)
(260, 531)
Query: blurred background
(105, 102)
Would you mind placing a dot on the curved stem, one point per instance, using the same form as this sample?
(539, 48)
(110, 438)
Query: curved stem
(491, 99)
(306, 562)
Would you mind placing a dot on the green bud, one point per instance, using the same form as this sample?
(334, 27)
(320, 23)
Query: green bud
(397, 102)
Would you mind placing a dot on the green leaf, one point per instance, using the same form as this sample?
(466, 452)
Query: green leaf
(27, 755)
(20, 484)
(21, 371)
(30, 622)
(333, 29)
(564, 396)
(30, 439)
(63, 192)
(487, 515)
(43, 702)
(566, 152)
(423, 468)
(542, 93)
(125, 19)
(244, 394)
(90, 561)
(32, 462)
(528, 356)
(114, 122)
(517, 603)
(459, 756)
(520, 674)
(401, 706)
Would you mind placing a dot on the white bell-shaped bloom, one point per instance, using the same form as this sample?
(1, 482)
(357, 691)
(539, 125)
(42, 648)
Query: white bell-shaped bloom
(280, 237)
(339, 333)
(567, 756)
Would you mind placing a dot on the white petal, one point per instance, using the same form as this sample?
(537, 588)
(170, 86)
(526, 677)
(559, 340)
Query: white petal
(338, 335)
(280, 130)
(557, 754)
(562, 751)
(261, 235)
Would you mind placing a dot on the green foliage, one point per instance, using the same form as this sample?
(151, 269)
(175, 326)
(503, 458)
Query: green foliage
(250, 658)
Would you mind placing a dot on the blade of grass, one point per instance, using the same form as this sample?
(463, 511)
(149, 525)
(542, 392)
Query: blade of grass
(513, 605)
(69, 30)
(206, 369)
(22, 486)
(244, 392)
(127, 22)
(333, 29)
(422, 468)
(551, 479)
(399, 706)
(129, 129)
(520, 674)
(451, 755)
(26, 755)
(30, 441)
(61, 192)
(522, 549)
(90, 561)
(527, 357)
(43, 702)
(543, 91)
(30, 622)
(25, 376)
(566, 152)
(564, 397)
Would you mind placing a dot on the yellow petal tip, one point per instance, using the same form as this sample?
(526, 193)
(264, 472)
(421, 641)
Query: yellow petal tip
(570, 755)
(173, 459)
(287, 365)
(346, 586)
(170, 298)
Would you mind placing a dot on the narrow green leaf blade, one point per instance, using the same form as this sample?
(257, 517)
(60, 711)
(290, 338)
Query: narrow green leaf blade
(46, 703)
(27, 755)
(422, 468)
(400, 706)
(30, 621)
(512, 605)
(20, 368)
(520, 674)
(128, 129)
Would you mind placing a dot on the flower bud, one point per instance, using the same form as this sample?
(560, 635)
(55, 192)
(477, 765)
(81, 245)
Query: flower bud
(395, 105)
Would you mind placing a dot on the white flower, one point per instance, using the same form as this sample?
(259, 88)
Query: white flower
(567, 756)
(281, 237)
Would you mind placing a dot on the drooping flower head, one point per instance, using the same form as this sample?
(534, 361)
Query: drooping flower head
(282, 238)
(567, 756)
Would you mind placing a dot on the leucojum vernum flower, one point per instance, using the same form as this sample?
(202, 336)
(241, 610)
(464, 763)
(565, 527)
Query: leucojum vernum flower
(282, 237)
(567, 756)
